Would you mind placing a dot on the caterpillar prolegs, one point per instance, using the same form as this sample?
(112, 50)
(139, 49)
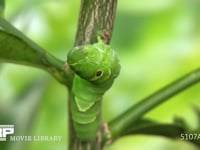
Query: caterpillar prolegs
(96, 66)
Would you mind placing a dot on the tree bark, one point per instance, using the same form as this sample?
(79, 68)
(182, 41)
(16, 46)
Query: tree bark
(96, 18)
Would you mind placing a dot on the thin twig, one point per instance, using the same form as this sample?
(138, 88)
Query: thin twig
(123, 121)
(96, 18)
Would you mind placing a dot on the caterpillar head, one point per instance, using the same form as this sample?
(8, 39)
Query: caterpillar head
(96, 63)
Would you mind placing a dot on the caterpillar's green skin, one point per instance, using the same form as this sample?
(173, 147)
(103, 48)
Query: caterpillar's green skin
(96, 66)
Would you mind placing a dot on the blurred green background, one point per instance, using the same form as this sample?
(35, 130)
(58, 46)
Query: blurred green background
(157, 42)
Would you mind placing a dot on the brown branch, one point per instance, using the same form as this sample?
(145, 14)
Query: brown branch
(96, 18)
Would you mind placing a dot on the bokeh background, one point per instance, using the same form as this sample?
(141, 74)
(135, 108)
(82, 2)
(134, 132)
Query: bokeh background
(157, 42)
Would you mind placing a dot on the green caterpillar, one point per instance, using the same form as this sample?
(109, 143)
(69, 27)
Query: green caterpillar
(96, 66)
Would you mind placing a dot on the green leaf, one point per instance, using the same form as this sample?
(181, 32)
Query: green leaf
(137, 111)
(16, 48)
(177, 130)
(154, 128)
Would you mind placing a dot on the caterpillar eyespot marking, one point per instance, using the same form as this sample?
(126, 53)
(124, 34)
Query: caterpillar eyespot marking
(98, 73)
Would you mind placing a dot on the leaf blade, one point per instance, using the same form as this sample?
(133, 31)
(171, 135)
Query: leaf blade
(16, 48)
